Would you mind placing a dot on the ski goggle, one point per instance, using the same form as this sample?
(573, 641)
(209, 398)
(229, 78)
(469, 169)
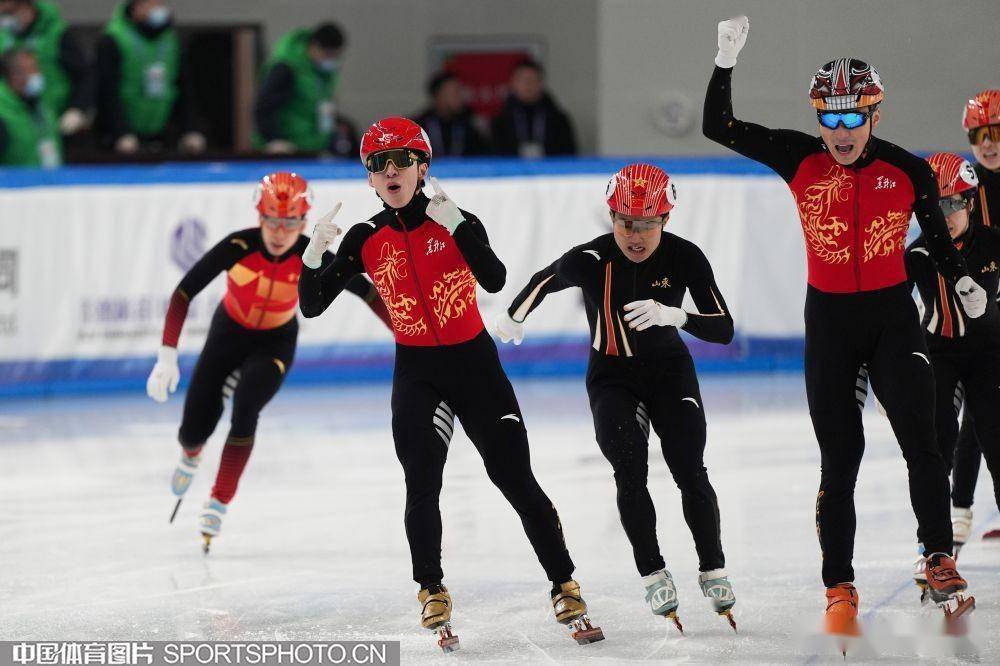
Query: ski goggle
(286, 223)
(849, 119)
(637, 226)
(400, 157)
(950, 205)
(978, 135)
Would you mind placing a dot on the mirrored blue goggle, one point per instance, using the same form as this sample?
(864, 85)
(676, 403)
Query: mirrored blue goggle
(849, 119)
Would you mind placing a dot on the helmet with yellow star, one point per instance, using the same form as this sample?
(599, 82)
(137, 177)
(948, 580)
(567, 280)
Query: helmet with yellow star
(641, 190)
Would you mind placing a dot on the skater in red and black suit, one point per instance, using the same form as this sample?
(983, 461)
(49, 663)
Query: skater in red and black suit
(426, 257)
(640, 372)
(965, 352)
(981, 121)
(855, 195)
(251, 341)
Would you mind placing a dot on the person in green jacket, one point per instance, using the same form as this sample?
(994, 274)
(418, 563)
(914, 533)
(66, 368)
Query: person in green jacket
(144, 99)
(29, 132)
(38, 25)
(294, 110)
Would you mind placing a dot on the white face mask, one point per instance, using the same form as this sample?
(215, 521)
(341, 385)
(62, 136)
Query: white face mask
(329, 65)
(158, 16)
(35, 85)
(9, 22)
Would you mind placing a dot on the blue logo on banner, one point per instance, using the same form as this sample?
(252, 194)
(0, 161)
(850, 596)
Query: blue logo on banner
(188, 243)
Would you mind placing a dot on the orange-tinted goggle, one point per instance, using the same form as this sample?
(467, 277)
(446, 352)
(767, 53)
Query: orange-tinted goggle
(979, 134)
(400, 157)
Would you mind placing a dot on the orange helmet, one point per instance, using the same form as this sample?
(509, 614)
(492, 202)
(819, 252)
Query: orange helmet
(954, 174)
(983, 109)
(283, 194)
(642, 190)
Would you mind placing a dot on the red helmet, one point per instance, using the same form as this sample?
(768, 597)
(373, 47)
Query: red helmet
(954, 174)
(394, 132)
(283, 194)
(845, 83)
(641, 190)
(983, 109)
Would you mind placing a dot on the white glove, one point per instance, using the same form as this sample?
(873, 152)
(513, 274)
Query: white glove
(72, 121)
(192, 143)
(165, 374)
(507, 329)
(279, 147)
(324, 233)
(643, 314)
(732, 37)
(973, 297)
(443, 210)
(127, 144)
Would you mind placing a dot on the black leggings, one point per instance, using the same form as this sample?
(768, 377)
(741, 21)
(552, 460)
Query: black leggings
(979, 375)
(433, 385)
(254, 362)
(626, 396)
(878, 328)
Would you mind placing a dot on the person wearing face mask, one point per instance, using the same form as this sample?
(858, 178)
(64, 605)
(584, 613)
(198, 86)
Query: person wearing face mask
(531, 125)
(144, 95)
(981, 121)
(251, 342)
(29, 131)
(426, 257)
(39, 26)
(855, 195)
(449, 123)
(640, 372)
(295, 109)
(965, 352)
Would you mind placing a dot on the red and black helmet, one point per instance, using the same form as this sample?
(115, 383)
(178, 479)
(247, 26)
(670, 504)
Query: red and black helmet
(982, 110)
(392, 133)
(283, 194)
(845, 83)
(641, 190)
(954, 174)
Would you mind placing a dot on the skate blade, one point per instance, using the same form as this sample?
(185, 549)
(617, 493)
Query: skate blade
(176, 507)
(672, 615)
(447, 641)
(584, 632)
(732, 620)
(206, 542)
(956, 614)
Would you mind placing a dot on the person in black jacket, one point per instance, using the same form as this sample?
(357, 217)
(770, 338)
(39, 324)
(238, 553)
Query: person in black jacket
(531, 124)
(640, 371)
(448, 122)
(965, 353)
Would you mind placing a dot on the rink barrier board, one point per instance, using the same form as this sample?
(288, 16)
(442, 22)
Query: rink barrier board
(556, 357)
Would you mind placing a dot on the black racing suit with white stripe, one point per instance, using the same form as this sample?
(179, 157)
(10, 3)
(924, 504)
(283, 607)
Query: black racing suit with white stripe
(965, 352)
(640, 378)
(968, 451)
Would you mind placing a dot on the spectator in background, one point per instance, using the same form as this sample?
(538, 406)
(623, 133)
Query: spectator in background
(144, 94)
(39, 26)
(29, 132)
(295, 111)
(531, 124)
(448, 122)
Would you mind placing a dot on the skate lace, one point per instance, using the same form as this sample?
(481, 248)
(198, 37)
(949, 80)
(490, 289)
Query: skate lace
(943, 573)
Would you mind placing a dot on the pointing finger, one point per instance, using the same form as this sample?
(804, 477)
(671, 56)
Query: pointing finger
(436, 186)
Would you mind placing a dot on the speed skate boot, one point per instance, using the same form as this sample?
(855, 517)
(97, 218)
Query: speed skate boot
(570, 609)
(716, 586)
(211, 521)
(961, 527)
(841, 618)
(181, 480)
(946, 588)
(435, 615)
(661, 595)
(920, 574)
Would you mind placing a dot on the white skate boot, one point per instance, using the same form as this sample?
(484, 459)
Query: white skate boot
(716, 586)
(211, 521)
(961, 527)
(661, 594)
(181, 480)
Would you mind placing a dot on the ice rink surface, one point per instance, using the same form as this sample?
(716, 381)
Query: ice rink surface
(313, 546)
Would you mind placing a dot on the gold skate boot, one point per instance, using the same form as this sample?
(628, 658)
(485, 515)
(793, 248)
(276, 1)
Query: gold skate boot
(436, 615)
(570, 609)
